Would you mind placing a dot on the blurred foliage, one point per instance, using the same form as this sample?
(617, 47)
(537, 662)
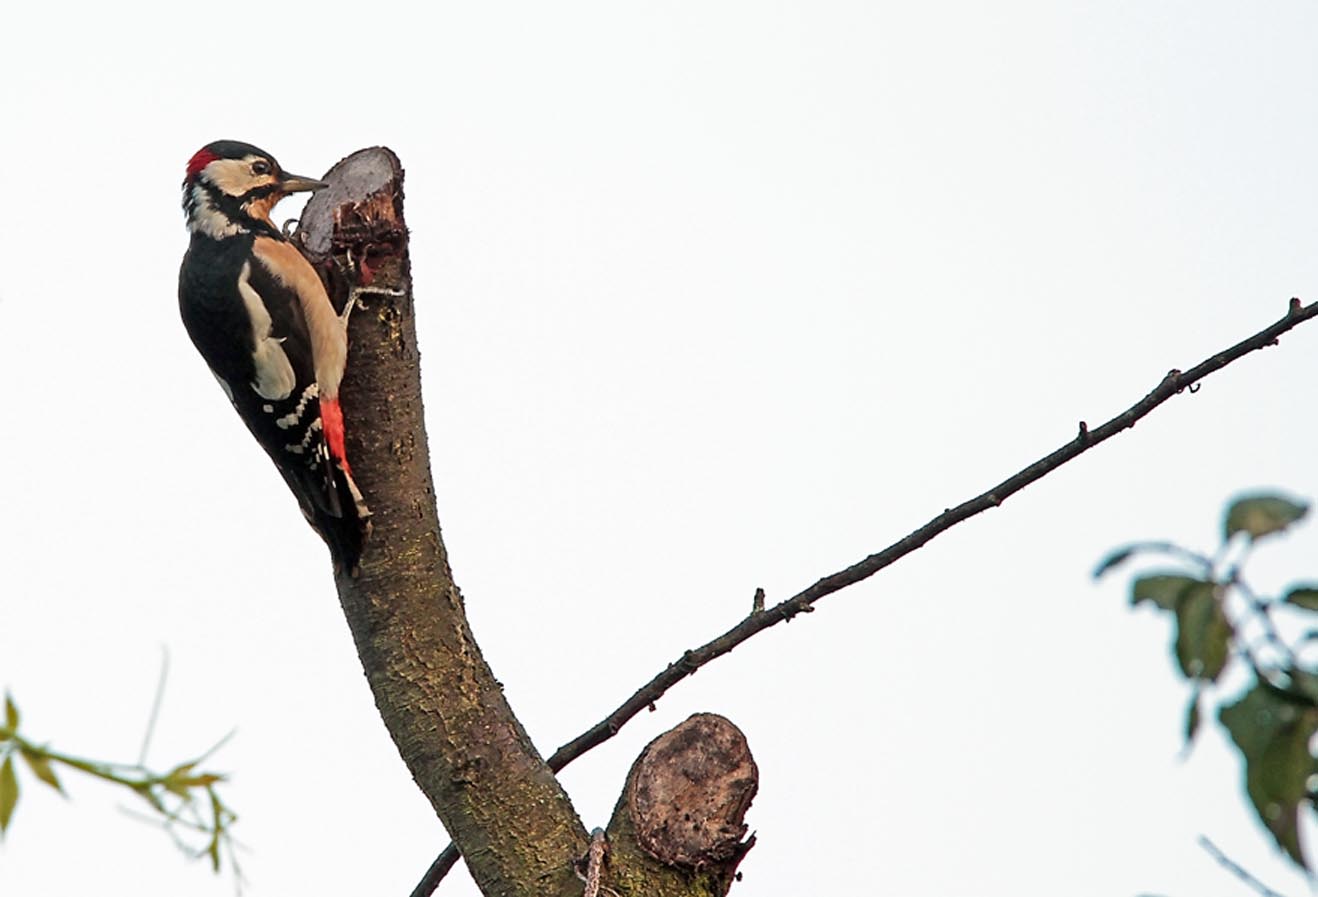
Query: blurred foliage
(183, 800)
(1222, 624)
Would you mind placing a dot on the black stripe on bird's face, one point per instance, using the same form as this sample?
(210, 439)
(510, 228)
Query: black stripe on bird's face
(260, 201)
(232, 188)
(219, 214)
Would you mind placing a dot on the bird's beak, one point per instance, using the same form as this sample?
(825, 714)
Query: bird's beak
(292, 183)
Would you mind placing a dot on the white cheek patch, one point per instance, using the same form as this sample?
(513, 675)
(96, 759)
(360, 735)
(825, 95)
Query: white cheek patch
(234, 176)
(274, 374)
(207, 219)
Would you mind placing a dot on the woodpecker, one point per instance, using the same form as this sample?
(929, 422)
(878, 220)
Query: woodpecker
(260, 317)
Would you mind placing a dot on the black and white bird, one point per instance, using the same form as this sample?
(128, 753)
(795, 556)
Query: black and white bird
(260, 317)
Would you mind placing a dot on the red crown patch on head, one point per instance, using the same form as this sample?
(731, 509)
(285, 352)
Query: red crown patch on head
(199, 161)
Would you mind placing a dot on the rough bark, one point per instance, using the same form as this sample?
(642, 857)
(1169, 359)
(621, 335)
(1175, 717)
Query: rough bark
(680, 833)
(441, 704)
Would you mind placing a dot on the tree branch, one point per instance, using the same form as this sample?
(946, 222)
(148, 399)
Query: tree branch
(1235, 868)
(802, 602)
(1173, 383)
(442, 706)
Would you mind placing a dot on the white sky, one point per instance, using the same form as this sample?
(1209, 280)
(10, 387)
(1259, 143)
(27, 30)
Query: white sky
(711, 296)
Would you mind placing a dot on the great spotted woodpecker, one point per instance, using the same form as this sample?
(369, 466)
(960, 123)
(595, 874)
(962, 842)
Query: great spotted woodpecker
(260, 317)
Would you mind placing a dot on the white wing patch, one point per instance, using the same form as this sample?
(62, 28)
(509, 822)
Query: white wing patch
(274, 374)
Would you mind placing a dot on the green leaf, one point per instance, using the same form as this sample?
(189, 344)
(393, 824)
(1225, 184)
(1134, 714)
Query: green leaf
(11, 714)
(1262, 515)
(204, 780)
(42, 769)
(1192, 719)
(178, 780)
(1114, 559)
(1203, 633)
(1273, 733)
(1305, 596)
(173, 786)
(8, 792)
(1163, 589)
(1304, 685)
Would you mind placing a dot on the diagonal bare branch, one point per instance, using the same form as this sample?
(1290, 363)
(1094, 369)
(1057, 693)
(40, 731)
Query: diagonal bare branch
(1172, 384)
(1235, 868)
(803, 602)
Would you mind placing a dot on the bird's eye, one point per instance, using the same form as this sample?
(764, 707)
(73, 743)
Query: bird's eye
(261, 167)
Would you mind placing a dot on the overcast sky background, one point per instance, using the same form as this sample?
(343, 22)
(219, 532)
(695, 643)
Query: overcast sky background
(710, 296)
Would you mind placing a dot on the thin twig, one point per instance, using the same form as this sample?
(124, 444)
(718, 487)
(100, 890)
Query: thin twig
(1171, 548)
(1173, 383)
(1262, 611)
(155, 706)
(435, 874)
(599, 849)
(1236, 869)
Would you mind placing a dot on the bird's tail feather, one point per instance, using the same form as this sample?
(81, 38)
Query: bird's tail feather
(335, 508)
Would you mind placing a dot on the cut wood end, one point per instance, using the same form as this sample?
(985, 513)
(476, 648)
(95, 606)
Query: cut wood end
(365, 181)
(690, 792)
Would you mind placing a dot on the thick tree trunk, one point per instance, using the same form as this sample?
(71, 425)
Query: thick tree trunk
(447, 714)
(441, 704)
